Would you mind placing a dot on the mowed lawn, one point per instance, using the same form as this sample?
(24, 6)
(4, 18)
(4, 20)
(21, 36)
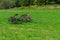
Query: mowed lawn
(45, 25)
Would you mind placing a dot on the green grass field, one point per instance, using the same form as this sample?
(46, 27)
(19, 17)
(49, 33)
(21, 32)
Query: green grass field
(45, 25)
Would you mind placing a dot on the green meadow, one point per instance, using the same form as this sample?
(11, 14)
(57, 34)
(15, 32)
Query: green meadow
(45, 25)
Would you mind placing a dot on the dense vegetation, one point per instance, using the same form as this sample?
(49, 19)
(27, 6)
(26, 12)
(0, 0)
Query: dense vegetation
(18, 3)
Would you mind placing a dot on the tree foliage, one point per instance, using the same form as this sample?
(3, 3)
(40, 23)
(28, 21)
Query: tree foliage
(18, 3)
